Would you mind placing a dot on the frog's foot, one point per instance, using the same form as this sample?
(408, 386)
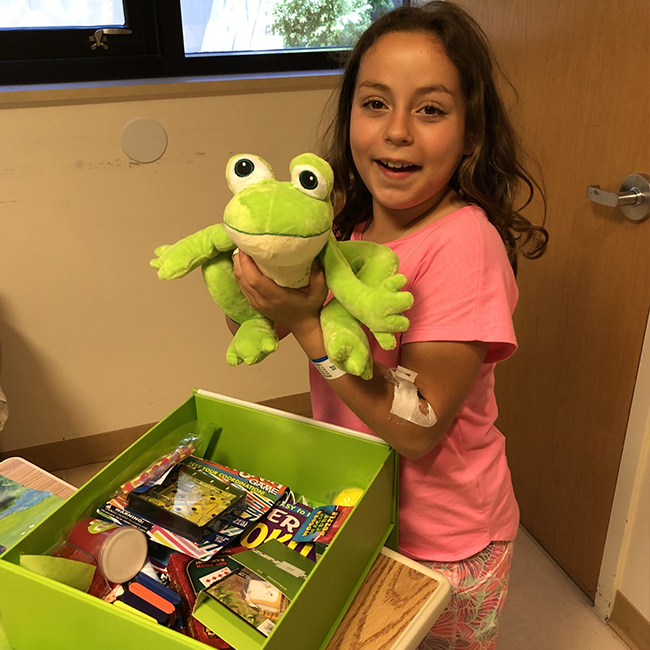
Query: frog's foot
(386, 340)
(345, 342)
(349, 351)
(254, 341)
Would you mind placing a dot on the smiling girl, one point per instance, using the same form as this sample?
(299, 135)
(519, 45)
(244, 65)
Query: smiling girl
(426, 162)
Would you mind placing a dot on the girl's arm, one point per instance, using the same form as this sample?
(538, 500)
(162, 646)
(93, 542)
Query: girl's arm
(446, 373)
(446, 370)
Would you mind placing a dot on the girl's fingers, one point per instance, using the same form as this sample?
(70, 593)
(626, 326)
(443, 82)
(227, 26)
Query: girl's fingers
(240, 276)
(247, 267)
(255, 279)
(236, 266)
(317, 285)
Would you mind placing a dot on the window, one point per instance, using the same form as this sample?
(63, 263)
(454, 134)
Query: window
(84, 40)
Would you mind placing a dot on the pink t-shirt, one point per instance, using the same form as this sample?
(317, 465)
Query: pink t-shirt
(458, 498)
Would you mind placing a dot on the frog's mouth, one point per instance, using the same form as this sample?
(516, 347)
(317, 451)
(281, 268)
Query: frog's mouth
(232, 229)
(284, 258)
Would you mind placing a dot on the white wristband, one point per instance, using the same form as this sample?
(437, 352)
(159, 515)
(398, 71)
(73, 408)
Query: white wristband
(327, 368)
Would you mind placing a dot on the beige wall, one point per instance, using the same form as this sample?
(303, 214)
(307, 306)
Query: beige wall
(92, 340)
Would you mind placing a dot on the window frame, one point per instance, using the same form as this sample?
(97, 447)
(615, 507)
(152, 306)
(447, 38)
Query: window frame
(155, 49)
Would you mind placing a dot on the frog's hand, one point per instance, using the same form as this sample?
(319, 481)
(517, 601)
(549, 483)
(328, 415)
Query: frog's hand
(379, 303)
(184, 256)
(345, 342)
(254, 341)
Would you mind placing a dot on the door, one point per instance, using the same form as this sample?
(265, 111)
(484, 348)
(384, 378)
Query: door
(582, 73)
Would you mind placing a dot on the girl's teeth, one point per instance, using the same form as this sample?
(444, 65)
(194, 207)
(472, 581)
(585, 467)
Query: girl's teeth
(392, 165)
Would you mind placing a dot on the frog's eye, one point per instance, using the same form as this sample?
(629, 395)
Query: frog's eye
(246, 169)
(309, 181)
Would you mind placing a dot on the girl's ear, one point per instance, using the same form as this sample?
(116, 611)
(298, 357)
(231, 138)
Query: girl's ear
(470, 138)
(470, 144)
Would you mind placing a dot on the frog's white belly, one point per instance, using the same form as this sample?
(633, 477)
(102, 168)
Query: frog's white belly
(285, 259)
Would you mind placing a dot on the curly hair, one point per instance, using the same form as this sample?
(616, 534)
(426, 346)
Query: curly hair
(492, 176)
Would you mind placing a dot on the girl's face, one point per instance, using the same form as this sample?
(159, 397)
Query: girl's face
(407, 125)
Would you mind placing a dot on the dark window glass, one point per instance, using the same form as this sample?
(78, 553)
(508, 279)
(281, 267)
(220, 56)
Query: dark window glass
(80, 40)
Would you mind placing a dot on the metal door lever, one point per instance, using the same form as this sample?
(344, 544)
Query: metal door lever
(633, 197)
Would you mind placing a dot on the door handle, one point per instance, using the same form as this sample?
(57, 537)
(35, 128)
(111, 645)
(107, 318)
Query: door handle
(633, 198)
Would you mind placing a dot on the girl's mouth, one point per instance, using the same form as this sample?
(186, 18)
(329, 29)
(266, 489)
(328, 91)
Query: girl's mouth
(397, 167)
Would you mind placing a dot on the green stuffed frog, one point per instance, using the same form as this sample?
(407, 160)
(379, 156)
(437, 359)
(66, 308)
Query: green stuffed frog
(283, 226)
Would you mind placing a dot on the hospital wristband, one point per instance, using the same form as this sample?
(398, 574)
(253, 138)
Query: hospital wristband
(327, 368)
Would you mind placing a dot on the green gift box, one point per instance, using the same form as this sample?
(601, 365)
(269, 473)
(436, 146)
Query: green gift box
(313, 459)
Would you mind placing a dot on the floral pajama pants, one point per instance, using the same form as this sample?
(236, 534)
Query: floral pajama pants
(479, 587)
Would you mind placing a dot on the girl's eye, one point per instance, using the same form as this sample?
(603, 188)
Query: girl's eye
(432, 110)
(374, 104)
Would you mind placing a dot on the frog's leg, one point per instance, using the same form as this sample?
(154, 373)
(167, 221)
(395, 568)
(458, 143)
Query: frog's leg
(377, 302)
(177, 260)
(345, 342)
(256, 337)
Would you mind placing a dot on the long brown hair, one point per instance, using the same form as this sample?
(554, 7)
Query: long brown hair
(491, 176)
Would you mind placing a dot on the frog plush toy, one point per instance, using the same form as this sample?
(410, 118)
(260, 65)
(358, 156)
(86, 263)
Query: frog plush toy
(283, 226)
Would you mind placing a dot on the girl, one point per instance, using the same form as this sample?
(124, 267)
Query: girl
(426, 161)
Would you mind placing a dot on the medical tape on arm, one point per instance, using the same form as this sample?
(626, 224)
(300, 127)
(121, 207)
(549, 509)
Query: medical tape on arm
(408, 402)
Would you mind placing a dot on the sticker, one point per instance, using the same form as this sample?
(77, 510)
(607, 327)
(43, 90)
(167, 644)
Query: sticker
(211, 578)
(266, 627)
(96, 526)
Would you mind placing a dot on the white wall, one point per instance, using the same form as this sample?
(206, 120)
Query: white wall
(92, 341)
(634, 581)
(626, 560)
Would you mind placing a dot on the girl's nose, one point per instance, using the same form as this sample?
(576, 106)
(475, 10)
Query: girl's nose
(398, 128)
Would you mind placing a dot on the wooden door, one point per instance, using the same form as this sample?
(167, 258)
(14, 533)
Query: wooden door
(582, 72)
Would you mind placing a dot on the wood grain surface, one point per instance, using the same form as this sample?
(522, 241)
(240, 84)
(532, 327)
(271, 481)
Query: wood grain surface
(391, 595)
(26, 474)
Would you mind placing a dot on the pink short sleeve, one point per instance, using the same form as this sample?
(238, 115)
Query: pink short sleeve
(464, 287)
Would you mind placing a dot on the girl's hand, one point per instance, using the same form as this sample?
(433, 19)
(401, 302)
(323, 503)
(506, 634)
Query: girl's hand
(296, 309)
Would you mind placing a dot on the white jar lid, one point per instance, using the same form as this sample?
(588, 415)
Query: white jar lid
(123, 554)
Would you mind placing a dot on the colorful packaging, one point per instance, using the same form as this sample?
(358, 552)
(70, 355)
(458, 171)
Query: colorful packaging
(281, 523)
(260, 497)
(190, 502)
(322, 524)
(181, 583)
(260, 589)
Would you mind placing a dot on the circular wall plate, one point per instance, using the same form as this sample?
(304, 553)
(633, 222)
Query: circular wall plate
(144, 140)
